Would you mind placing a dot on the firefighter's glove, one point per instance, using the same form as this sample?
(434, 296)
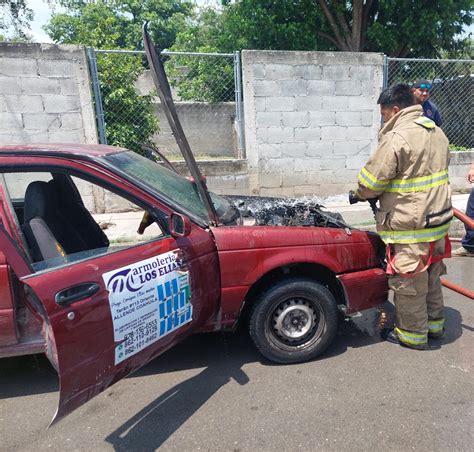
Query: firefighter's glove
(353, 198)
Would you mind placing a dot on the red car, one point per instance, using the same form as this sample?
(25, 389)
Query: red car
(100, 307)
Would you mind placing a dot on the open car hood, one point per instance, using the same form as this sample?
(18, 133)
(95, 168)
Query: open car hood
(164, 92)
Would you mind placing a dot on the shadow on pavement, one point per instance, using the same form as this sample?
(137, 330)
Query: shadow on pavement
(26, 375)
(223, 356)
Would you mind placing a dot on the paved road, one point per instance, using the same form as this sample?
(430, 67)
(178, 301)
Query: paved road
(214, 392)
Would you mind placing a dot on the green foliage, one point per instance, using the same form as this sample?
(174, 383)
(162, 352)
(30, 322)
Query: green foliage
(125, 19)
(455, 148)
(394, 27)
(248, 24)
(422, 28)
(398, 28)
(196, 78)
(129, 116)
(254, 24)
(202, 79)
(17, 37)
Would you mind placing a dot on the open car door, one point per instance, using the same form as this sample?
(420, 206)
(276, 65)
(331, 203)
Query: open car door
(108, 315)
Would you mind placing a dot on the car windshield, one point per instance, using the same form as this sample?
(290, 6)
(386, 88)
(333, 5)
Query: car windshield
(176, 188)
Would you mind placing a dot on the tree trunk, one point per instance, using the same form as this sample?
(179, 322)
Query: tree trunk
(357, 12)
(348, 36)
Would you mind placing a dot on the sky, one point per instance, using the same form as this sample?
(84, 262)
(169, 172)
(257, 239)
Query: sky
(42, 15)
(43, 12)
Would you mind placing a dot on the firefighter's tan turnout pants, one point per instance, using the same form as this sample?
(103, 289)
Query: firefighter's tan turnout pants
(418, 297)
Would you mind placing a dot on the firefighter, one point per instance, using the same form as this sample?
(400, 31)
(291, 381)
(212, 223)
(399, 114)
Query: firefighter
(408, 173)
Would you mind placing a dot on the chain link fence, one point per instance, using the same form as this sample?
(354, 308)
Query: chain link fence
(207, 94)
(452, 92)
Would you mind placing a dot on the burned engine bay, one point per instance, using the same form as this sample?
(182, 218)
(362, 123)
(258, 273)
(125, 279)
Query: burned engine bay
(267, 211)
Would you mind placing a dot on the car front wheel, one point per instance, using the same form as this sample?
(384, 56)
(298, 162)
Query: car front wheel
(294, 321)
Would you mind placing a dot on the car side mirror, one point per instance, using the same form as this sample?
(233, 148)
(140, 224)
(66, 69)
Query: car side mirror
(180, 225)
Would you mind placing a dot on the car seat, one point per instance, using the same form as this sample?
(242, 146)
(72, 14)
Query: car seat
(71, 205)
(51, 226)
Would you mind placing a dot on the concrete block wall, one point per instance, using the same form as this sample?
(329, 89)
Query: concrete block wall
(459, 165)
(209, 129)
(229, 177)
(311, 119)
(45, 94)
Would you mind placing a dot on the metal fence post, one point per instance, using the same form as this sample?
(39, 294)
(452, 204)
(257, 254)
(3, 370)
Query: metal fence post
(385, 71)
(99, 111)
(238, 107)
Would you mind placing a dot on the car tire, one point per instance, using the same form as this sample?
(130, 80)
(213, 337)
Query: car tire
(293, 321)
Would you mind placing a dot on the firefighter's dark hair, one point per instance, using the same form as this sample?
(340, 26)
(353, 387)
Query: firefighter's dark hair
(400, 95)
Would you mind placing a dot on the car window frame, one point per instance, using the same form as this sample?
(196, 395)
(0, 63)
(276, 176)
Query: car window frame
(161, 216)
(100, 163)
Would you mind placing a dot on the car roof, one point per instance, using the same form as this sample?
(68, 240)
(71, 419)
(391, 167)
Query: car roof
(61, 149)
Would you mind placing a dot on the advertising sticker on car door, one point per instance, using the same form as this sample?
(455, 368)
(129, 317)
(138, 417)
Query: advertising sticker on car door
(148, 300)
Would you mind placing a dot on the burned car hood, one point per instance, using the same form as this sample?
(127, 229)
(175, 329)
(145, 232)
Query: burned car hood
(269, 211)
(298, 225)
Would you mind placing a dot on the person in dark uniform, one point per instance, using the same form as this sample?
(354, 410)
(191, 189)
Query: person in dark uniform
(421, 91)
(467, 248)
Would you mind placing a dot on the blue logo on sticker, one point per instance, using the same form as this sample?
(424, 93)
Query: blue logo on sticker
(122, 280)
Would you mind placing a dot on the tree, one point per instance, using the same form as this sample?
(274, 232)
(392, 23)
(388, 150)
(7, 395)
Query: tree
(421, 28)
(255, 24)
(15, 15)
(166, 18)
(241, 25)
(204, 79)
(129, 116)
(398, 28)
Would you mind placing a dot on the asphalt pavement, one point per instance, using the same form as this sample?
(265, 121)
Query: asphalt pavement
(215, 392)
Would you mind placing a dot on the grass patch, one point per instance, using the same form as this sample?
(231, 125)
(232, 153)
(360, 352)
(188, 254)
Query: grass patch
(456, 148)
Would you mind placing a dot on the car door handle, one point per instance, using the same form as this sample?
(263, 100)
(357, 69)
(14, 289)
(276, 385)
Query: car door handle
(72, 294)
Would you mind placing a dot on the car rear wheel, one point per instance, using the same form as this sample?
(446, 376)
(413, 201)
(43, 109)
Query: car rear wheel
(294, 321)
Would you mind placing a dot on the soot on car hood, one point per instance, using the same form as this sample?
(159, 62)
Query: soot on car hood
(267, 211)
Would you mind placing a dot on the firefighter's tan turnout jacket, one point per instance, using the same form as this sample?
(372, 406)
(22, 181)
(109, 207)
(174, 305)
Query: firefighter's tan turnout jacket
(409, 174)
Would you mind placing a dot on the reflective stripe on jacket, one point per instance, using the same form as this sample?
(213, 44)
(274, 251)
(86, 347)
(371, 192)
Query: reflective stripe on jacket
(409, 174)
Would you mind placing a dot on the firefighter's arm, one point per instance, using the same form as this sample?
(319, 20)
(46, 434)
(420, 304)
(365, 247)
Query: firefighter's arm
(382, 166)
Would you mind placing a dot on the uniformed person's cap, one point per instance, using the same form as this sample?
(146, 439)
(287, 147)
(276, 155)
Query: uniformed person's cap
(423, 84)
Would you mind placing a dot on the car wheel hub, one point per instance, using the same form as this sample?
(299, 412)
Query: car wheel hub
(294, 319)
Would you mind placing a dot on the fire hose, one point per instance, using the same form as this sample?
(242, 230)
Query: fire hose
(469, 222)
